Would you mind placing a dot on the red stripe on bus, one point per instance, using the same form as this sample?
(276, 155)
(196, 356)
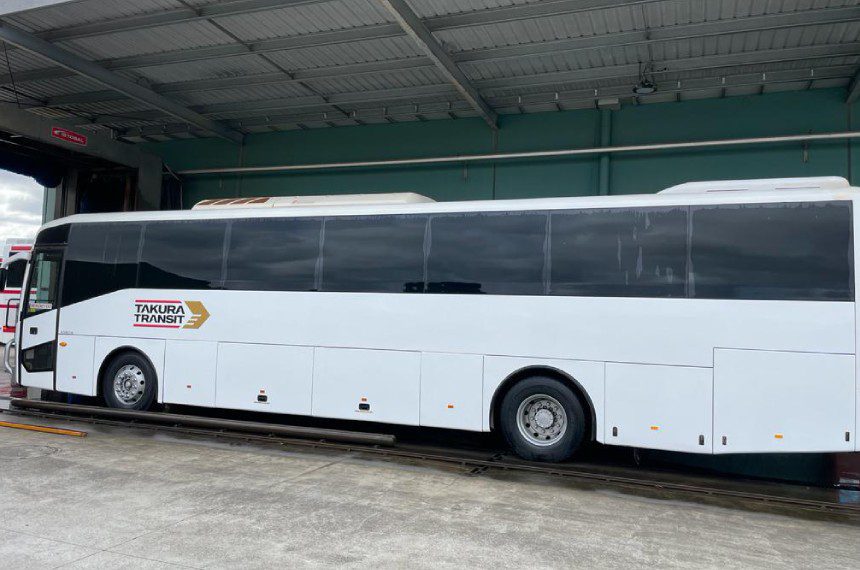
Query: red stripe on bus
(154, 301)
(10, 291)
(21, 248)
(158, 326)
(8, 329)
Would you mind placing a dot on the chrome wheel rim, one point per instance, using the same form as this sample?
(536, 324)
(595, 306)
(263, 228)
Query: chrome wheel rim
(541, 420)
(129, 384)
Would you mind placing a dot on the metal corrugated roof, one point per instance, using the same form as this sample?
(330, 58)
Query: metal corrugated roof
(265, 64)
(237, 66)
(430, 8)
(149, 40)
(305, 19)
(381, 49)
(87, 11)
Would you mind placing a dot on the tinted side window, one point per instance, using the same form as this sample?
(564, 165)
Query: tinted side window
(271, 254)
(182, 254)
(382, 254)
(619, 252)
(800, 251)
(499, 253)
(15, 274)
(100, 259)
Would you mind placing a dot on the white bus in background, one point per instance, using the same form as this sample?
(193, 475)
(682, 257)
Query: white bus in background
(708, 318)
(11, 280)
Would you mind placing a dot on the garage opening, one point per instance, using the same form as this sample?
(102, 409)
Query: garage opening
(75, 182)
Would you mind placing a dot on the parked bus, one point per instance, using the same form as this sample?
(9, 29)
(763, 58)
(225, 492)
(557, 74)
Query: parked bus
(11, 279)
(711, 317)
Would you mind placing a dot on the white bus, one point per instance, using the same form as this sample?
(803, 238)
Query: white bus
(708, 318)
(12, 266)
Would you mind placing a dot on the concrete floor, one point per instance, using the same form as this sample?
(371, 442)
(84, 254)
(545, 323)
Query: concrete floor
(123, 498)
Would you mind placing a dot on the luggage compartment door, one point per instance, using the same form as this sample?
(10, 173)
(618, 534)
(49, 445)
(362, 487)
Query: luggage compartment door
(265, 378)
(659, 407)
(769, 401)
(189, 372)
(368, 385)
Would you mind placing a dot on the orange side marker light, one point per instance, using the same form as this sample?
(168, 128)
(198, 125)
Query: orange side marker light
(655, 428)
(777, 436)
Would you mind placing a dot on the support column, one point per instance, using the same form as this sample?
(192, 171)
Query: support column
(605, 140)
(148, 183)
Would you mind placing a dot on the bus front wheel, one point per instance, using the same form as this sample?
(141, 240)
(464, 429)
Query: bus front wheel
(542, 419)
(129, 382)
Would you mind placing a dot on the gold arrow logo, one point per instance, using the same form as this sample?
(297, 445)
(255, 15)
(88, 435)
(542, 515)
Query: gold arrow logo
(199, 315)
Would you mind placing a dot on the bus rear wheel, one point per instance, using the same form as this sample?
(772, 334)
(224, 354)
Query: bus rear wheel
(542, 419)
(129, 382)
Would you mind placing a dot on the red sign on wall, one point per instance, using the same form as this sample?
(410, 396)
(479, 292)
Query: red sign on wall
(68, 136)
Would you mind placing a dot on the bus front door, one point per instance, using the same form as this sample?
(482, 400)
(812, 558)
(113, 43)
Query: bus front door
(38, 326)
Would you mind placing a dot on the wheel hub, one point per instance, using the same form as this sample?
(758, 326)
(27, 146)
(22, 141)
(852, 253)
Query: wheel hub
(129, 384)
(544, 418)
(541, 420)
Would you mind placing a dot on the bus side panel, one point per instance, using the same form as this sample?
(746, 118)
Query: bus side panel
(265, 378)
(367, 385)
(589, 376)
(451, 390)
(677, 332)
(767, 401)
(151, 348)
(75, 364)
(659, 407)
(189, 372)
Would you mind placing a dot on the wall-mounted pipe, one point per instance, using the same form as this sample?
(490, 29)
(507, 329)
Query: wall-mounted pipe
(519, 155)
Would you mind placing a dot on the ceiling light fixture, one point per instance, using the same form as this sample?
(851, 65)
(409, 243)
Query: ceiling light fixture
(645, 86)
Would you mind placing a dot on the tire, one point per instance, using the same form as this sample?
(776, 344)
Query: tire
(129, 382)
(553, 417)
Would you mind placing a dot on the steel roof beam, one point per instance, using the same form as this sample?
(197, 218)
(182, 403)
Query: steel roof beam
(758, 23)
(687, 64)
(169, 17)
(68, 60)
(585, 94)
(214, 52)
(669, 33)
(268, 112)
(236, 7)
(544, 79)
(415, 28)
(477, 18)
(271, 78)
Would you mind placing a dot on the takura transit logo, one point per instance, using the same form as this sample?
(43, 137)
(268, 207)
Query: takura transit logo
(169, 314)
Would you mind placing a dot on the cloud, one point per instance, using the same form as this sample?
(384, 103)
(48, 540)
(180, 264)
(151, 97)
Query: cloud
(20, 206)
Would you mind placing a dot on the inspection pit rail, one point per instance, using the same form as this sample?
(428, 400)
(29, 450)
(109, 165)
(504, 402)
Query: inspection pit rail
(303, 432)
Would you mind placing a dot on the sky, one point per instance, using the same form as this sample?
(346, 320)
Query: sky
(20, 206)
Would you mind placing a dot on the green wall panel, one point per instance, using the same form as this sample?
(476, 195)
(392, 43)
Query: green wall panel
(854, 146)
(575, 176)
(761, 115)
